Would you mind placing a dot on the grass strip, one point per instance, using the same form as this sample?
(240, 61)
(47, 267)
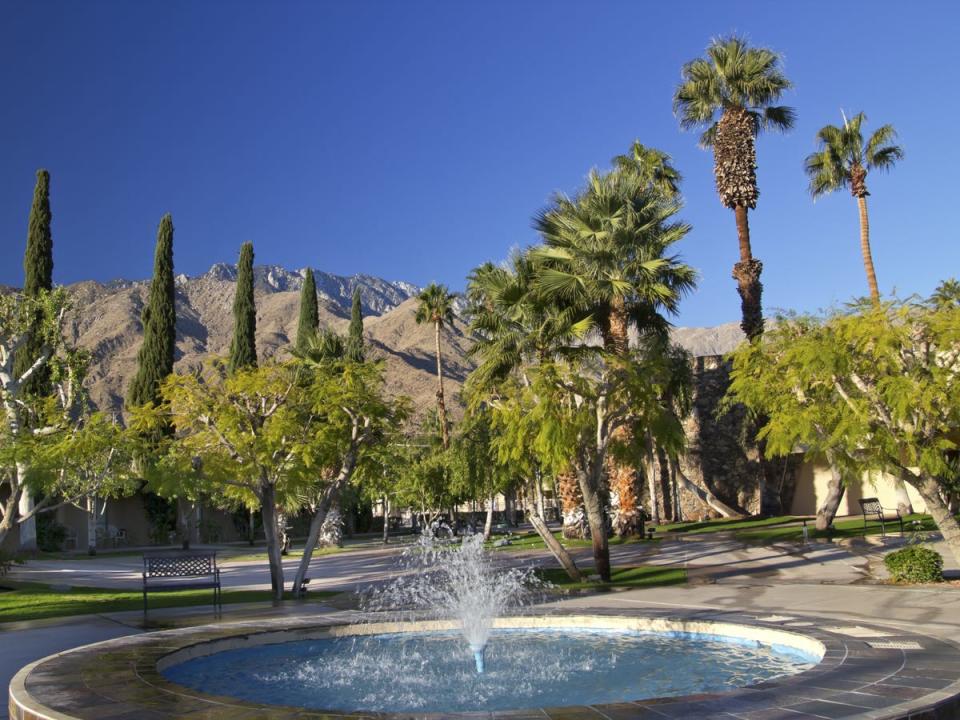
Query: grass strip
(34, 601)
(849, 528)
(629, 577)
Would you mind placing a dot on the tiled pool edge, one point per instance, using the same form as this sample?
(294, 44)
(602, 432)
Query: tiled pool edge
(886, 683)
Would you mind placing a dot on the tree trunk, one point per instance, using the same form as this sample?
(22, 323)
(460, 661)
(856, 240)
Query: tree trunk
(556, 549)
(91, 525)
(828, 508)
(904, 504)
(571, 507)
(185, 510)
(271, 534)
(675, 492)
(386, 519)
(747, 274)
(705, 496)
(441, 404)
(28, 527)
(590, 485)
(652, 488)
(488, 525)
(330, 496)
(665, 491)
(865, 250)
(930, 492)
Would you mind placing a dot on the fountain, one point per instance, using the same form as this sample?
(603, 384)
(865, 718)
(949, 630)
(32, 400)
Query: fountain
(443, 637)
(455, 582)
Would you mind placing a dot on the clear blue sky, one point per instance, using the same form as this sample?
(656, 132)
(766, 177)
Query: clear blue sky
(414, 140)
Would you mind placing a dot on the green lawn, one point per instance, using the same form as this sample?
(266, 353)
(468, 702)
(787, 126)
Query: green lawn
(532, 541)
(33, 601)
(639, 576)
(852, 527)
(725, 524)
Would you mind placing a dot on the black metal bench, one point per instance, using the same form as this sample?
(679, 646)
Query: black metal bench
(181, 571)
(871, 508)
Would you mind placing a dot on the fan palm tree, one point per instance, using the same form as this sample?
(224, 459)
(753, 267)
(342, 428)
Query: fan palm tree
(731, 94)
(842, 160)
(605, 253)
(653, 167)
(515, 330)
(436, 306)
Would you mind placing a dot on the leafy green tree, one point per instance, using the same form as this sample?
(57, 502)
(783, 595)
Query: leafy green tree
(436, 306)
(31, 422)
(156, 355)
(243, 347)
(872, 390)
(842, 160)
(740, 84)
(309, 321)
(353, 416)
(355, 334)
(95, 461)
(245, 437)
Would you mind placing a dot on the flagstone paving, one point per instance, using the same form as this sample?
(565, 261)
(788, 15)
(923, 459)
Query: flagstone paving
(823, 584)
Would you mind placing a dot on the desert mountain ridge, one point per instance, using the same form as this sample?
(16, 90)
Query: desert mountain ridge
(109, 326)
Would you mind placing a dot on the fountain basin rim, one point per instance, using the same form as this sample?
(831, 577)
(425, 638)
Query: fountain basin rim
(774, 637)
(73, 685)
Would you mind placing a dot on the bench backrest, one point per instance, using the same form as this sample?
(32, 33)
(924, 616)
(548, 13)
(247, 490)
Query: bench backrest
(870, 506)
(182, 565)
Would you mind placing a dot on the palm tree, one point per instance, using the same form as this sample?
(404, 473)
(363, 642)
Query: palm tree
(653, 167)
(605, 254)
(842, 160)
(514, 331)
(731, 93)
(436, 306)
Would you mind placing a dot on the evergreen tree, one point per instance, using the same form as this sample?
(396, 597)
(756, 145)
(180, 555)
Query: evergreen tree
(37, 275)
(309, 318)
(243, 349)
(38, 260)
(155, 359)
(355, 336)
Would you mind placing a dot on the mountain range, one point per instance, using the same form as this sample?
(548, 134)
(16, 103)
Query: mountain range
(109, 326)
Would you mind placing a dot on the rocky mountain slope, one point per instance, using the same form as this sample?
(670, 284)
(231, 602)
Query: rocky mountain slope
(109, 326)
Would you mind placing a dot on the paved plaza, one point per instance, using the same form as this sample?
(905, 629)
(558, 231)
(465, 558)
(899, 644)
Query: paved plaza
(841, 583)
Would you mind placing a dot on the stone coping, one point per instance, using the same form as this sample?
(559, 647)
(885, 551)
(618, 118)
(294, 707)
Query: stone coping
(900, 675)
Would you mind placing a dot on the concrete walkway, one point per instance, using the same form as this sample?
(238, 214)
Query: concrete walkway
(821, 579)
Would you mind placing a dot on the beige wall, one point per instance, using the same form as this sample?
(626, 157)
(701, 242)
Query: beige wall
(812, 480)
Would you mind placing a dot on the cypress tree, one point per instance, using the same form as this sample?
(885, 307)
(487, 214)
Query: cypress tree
(355, 336)
(37, 277)
(38, 259)
(243, 348)
(155, 359)
(309, 315)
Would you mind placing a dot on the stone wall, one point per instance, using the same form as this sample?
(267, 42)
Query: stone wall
(721, 454)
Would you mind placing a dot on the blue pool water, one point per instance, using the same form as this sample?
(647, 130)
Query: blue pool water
(435, 672)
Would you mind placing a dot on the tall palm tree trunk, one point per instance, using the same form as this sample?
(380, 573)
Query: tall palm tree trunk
(747, 274)
(441, 404)
(622, 475)
(865, 250)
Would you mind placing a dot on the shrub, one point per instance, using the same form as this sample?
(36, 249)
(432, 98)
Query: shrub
(50, 534)
(915, 564)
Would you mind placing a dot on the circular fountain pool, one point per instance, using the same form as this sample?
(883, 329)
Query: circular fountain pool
(525, 668)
